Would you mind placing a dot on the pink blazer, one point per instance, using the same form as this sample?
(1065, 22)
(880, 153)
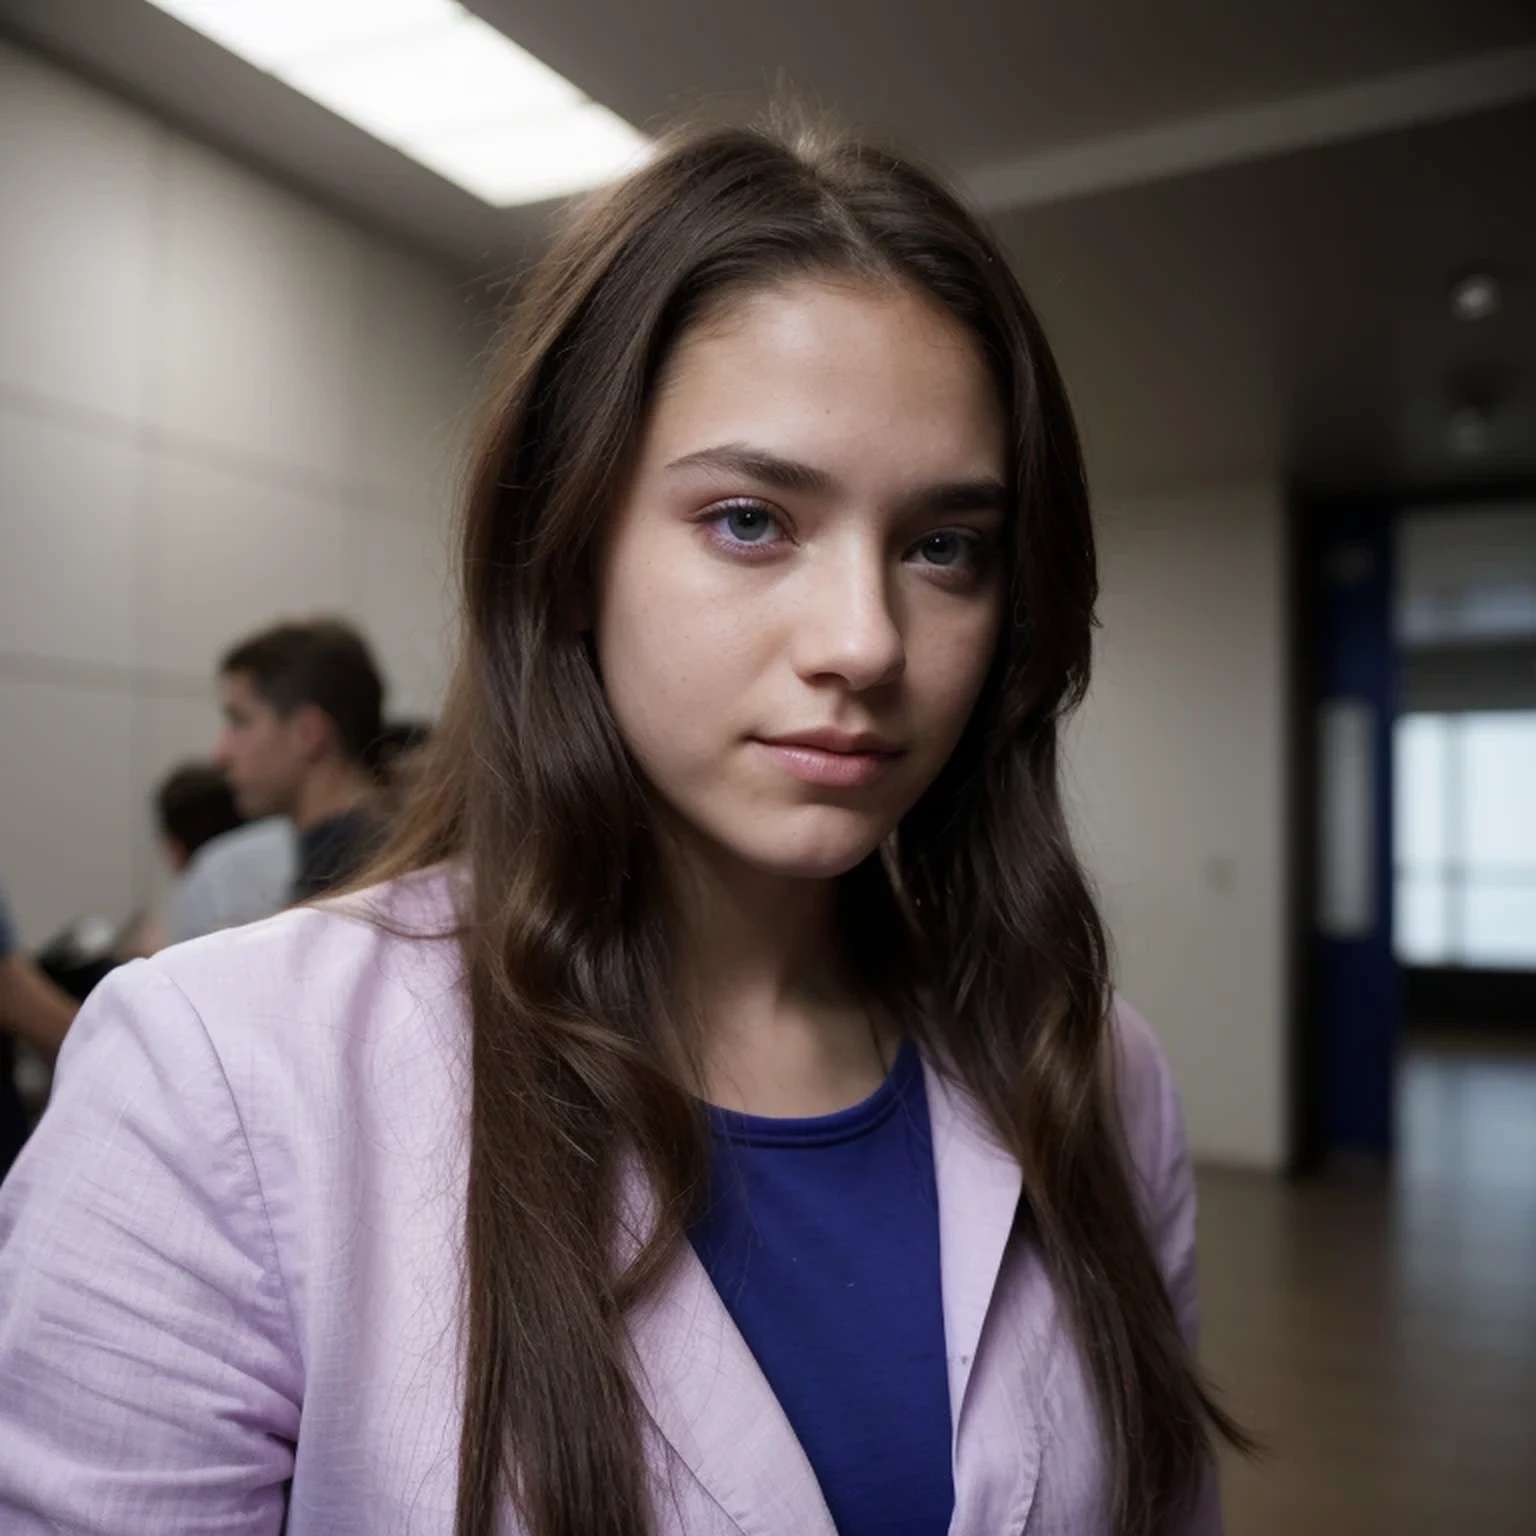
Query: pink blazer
(229, 1283)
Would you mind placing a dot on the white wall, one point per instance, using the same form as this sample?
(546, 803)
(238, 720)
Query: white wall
(1177, 773)
(218, 405)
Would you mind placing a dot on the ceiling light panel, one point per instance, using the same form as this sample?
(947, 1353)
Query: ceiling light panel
(273, 33)
(458, 73)
(435, 82)
(541, 157)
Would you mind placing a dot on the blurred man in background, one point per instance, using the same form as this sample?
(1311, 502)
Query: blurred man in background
(303, 718)
(228, 871)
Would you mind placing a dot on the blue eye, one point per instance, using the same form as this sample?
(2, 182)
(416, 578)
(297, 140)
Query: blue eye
(947, 548)
(746, 529)
(748, 524)
(745, 523)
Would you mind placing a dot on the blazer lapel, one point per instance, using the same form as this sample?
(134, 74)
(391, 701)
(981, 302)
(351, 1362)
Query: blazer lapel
(997, 1438)
(708, 1397)
(706, 1394)
(979, 1184)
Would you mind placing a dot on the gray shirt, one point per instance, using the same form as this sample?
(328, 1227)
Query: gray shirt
(241, 877)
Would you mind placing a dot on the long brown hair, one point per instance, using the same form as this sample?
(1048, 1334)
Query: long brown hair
(564, 922)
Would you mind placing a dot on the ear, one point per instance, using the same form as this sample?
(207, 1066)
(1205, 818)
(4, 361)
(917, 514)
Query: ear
(311, 730)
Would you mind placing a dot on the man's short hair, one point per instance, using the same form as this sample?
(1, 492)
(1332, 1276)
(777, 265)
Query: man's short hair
(324, 662)
(399, 740)
(195, 805)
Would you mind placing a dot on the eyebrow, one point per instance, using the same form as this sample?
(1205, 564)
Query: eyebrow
(757, 464)
(983, 494)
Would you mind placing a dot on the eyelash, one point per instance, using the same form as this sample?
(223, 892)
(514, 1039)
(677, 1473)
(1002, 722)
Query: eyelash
(717, 517)
(979, 546)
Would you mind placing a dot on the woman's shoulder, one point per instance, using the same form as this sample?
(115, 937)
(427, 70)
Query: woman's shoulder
(303, 1013)
(1143, 1079)
(272, 1065)
(332, 964)
(247, 1133)
(1153, 1125)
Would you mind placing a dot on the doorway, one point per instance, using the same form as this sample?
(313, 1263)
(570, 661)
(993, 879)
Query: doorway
(1417, 901)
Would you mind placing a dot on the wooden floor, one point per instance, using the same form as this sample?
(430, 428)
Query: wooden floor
(1379, 1331)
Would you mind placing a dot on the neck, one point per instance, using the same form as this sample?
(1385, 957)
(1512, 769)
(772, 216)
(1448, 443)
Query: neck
(330, 789)
(783, 1028)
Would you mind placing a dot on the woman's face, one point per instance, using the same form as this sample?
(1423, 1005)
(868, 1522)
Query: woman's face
(798, 595)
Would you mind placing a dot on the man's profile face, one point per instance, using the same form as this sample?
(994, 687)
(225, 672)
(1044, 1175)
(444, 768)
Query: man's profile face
(262, 752)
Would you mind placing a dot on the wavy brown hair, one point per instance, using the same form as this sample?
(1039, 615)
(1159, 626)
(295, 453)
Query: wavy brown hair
(565, 922)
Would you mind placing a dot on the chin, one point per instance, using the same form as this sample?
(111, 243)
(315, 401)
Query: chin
(818, 851)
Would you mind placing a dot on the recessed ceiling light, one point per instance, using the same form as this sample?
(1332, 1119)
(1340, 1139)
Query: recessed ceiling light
(1475, 296)
(436, 83)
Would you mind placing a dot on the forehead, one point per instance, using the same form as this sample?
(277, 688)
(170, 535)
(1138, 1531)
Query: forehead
(850, 375)
(237, 690)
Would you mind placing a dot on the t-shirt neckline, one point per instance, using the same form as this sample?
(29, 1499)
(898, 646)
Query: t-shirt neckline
(734, 1125)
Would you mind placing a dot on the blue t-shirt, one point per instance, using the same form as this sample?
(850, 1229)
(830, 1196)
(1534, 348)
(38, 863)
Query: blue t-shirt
(823, 1242)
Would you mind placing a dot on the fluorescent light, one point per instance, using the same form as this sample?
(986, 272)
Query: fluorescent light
(539, 157)
(461, 72)
(271, 33)
(434, 81)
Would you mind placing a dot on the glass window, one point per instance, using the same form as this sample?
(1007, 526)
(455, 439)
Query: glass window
(1499, 793)
(1464, 839)
(1499, 924)
(1422, 935)
(1419, 805)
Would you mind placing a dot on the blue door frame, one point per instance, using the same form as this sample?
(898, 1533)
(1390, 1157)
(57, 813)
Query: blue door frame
(1352, 994)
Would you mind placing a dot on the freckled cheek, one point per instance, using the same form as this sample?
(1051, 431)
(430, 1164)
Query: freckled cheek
(945, 671)
(675, 670)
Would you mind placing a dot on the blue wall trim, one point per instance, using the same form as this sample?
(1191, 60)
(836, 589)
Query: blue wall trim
(1356, 987)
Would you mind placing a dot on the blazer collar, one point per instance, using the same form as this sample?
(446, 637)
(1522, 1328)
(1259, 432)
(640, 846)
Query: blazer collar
(706, 1394)
(979, 1183)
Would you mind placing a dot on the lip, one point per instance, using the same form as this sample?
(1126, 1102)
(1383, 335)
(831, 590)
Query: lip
(834, 759)
(829, 739)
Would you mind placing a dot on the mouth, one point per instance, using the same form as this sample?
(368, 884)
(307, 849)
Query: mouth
(833, 759)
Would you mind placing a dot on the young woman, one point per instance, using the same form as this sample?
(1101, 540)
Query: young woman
(714, 1118)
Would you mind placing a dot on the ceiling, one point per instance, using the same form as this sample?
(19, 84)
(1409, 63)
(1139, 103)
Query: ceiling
(1238, 220)
(1290, 315)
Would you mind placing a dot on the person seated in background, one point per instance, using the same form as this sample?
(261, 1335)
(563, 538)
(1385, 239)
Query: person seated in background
(228, 871)
(32, 1009)
(303, 717)
(194, 805)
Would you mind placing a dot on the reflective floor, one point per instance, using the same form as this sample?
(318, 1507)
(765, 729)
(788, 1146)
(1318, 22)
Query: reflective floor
(1379, 1331)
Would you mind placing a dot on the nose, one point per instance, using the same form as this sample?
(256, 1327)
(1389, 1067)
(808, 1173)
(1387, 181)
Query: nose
(848, 627)
(221, 752)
